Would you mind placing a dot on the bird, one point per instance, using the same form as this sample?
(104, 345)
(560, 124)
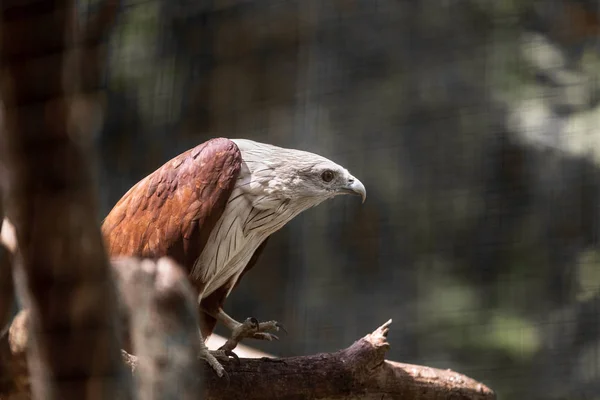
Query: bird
(212, 209)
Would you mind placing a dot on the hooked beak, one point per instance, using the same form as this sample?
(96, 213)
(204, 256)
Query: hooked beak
(355, 187)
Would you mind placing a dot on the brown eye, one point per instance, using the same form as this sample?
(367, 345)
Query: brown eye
(327, 176)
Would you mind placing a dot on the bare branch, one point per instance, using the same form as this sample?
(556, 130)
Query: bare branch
(357, 372)
(163, 324)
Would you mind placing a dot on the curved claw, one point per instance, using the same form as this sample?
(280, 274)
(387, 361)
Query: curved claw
(227, 378)
(225, 354)
(280, 326)
(231, 354)
(214, 364)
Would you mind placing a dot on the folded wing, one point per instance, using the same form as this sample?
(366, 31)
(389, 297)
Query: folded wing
(172, 211)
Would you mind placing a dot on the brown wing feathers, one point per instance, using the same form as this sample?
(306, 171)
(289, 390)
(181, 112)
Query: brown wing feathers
(173, 210)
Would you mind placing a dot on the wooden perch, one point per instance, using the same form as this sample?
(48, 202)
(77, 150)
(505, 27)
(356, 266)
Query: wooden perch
(157, 308)
(359, 371)
(163, 320)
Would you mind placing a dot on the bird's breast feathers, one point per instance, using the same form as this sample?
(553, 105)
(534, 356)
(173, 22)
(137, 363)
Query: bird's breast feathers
(236, 236)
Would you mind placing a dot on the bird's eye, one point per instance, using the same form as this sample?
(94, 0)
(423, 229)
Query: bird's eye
(327, 176)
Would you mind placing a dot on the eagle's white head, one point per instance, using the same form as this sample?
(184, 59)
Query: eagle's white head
(273, 176)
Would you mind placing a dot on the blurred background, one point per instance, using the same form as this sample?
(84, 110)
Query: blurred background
(474, 125)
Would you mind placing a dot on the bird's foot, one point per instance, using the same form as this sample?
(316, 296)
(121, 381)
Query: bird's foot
(212, 357)
(251, 328)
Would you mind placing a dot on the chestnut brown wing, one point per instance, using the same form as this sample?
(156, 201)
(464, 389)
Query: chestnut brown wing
(172, 211)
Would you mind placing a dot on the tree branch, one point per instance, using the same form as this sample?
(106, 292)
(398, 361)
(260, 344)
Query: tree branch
(160, 308)
(359, 371)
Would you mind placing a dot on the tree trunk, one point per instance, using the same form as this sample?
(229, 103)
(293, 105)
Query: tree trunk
(64, 277)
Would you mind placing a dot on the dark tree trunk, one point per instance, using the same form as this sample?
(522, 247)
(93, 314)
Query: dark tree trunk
(64, 279)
